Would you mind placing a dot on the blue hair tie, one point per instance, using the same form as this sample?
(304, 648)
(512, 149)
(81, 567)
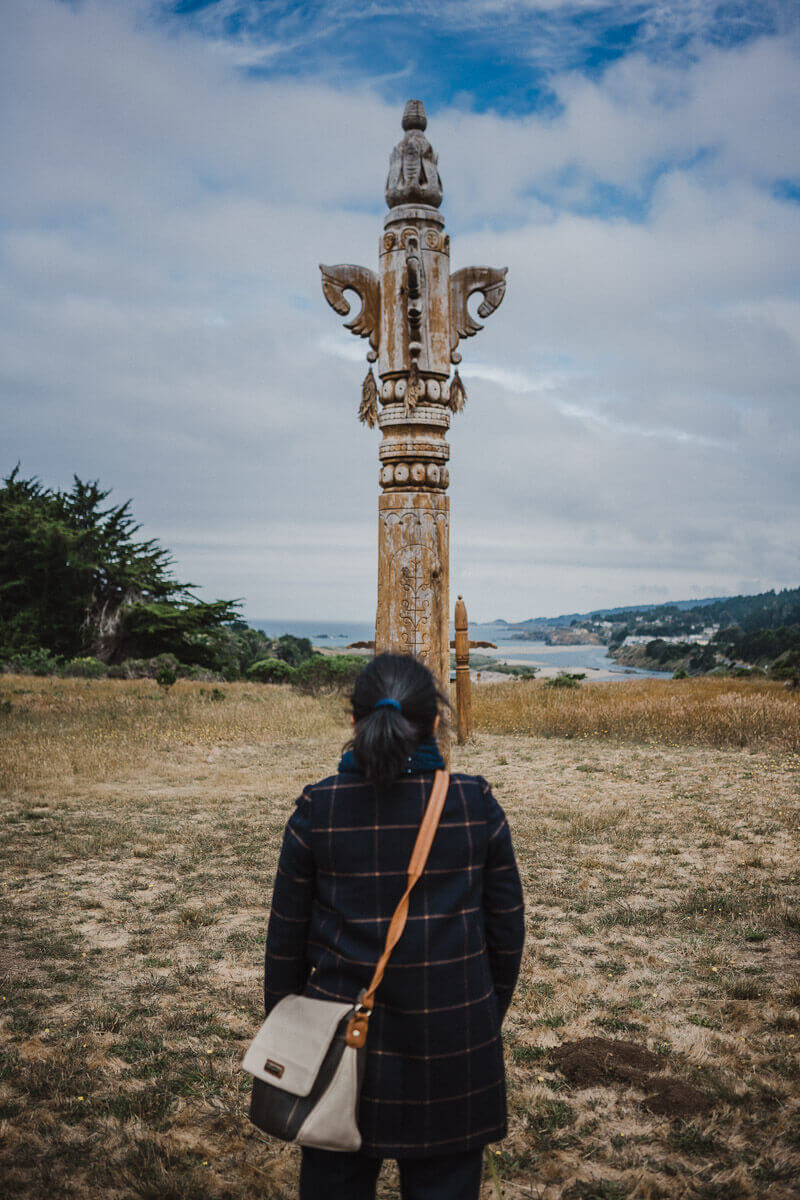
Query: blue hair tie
(388, 703)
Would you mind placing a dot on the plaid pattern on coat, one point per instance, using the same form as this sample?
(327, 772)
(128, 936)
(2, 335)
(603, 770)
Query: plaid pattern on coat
(434, 1081)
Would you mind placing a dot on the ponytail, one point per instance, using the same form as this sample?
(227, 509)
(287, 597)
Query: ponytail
(395, 704)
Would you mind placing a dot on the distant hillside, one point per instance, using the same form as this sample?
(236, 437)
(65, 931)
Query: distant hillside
(767, 610)
(717, 633)
(597, 614)
(760, 631)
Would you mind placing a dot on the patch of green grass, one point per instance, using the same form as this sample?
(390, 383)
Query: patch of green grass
(616, 1024)
(611, 967)
(507, 1163)
(767, 1170)
(747, 989)
(703, 1022)
(138, 1048)
(550, 960)
(629, 917)
(243, 939)
(152, 1105)
(686, 1137)
(525, 1055)
(153, 1172)
(60, 1077)
(552, 1020)
(21, 1020)
(549, 1116)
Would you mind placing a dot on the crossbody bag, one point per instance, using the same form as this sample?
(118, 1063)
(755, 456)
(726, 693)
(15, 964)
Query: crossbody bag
(307, 1059)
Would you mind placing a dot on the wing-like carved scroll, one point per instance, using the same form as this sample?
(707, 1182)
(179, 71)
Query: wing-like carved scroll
(347, 278)
(491, 282)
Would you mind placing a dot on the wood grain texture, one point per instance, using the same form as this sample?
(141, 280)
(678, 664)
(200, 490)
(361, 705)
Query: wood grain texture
(463, 685)
(413, 578)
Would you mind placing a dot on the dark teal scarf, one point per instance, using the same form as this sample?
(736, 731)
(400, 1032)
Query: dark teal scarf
(424, 757)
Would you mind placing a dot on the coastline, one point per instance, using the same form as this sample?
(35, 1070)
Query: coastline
(511, 658)
(588, 658)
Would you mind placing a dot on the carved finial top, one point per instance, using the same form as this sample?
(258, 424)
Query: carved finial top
(413, 177)
(414, 116)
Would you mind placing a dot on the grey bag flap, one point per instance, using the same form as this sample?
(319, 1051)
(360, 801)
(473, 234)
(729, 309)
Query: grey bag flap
(290, 1046)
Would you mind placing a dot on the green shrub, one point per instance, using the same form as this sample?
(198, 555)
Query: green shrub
(565, 680)
(85, 668)
(202, 674)
(166, 677)
(519, 672)
(702, 660)
(786, 665)
(164, 662)
(132, 668)
(293, 650)
(272, 670)
(329, 673)
(32, 662)
(150, 668)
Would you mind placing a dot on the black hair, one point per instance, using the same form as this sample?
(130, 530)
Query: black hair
(386, 735)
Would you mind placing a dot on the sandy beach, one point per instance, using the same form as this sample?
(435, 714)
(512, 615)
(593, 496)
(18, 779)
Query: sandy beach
(593, 674)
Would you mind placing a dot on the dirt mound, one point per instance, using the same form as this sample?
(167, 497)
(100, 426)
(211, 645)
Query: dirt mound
(592, 1061)
(673, 1098)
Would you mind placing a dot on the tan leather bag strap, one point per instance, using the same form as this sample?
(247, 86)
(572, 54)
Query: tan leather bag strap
(357, 1028)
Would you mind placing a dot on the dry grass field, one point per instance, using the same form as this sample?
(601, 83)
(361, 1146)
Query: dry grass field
(711, 711)
(656, 827)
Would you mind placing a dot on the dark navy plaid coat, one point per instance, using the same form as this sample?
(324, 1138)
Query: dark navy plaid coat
(434, 1081)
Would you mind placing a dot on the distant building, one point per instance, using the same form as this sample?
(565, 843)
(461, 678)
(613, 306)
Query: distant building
(695, 639)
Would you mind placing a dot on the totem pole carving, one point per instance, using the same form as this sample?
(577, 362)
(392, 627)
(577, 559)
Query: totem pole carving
(414, 313)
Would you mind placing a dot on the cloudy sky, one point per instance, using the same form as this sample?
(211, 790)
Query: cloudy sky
(174, 172)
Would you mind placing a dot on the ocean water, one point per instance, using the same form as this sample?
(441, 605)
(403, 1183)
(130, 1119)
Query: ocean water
(323, 633)
(336, 635)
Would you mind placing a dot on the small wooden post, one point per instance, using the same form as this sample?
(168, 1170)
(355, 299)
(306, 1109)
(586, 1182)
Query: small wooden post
(463, 693)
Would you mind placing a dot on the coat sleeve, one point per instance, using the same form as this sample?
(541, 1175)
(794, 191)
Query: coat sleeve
(503, 905)
(286, 965)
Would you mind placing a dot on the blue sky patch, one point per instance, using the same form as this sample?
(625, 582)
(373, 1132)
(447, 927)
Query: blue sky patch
(787, 189)
(463, 53)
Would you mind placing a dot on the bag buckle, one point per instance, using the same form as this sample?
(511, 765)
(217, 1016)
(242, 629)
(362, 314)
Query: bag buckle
(358, 1025)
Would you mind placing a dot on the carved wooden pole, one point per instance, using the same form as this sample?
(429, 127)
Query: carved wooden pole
(463, 686)
(414, 314)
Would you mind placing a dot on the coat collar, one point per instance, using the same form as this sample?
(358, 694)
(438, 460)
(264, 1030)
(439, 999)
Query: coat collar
(424, 757)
